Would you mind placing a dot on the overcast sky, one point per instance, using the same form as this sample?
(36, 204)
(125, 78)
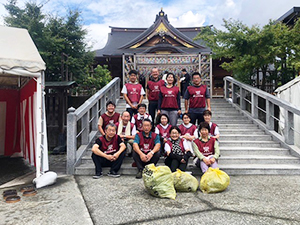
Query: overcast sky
(98, 15)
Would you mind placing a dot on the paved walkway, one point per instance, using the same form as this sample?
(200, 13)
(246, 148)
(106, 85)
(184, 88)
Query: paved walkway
(83, 200)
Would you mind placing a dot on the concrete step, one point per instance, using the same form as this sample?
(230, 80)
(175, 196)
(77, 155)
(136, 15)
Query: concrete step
(272, 144)
(238, 131)
(260, 169)
(242, 137)
(232, 151)
(231, 169)
(258, 159)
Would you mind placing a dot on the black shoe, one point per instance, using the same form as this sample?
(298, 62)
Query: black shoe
(113, 174)
(139, 175)
(97, 176)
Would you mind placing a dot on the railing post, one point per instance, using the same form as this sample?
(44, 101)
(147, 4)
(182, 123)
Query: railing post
(95, 116)
(254, 103)
(102, 105)
(288, 124)
(226, 91)
(86, 128)
(233, 94)
(242, 98)
(71, 140)
(269, 115)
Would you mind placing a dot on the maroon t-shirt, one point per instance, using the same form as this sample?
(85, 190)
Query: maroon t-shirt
(206, 148)
(197, 96)
(169, 97)
(133, 92)
(139, 123)
(164, 133)
(109, 119)
(109, 147)
(185, 130)
(146, 144)
(154, 89)
(212, 129)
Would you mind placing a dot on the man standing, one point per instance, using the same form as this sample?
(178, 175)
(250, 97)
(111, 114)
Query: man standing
(126, 131)
(185, 81)
(146, 146)
(133, 93)
(108, 151)
(110, 116)
(196, 97)
(153, 88)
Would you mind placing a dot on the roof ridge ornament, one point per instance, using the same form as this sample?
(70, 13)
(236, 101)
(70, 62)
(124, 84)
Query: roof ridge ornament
(161, 15)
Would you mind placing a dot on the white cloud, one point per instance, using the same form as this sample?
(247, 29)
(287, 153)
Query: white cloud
(98, 15)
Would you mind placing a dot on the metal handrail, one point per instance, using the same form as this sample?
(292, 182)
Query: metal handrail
(232, 95)
(96, 104)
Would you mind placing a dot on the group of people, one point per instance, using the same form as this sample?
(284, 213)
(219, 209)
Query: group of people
(148, 136)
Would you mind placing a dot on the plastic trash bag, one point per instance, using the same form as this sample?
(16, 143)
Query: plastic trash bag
(214, 180)
(185, 182)
(159, 181)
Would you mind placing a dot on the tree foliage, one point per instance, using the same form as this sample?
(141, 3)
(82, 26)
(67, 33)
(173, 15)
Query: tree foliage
(95, 80)
(271, 49)
(60, 40)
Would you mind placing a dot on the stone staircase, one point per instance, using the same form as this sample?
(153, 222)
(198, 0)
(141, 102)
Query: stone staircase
(245, 149)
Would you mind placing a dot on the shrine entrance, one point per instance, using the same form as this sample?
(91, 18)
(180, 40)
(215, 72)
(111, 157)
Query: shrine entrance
(174, 63)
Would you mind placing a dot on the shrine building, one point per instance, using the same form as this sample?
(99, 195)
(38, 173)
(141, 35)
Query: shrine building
(163, 46)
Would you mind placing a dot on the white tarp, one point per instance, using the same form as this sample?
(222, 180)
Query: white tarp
(18, 54)
(291, 92)
(19, 57)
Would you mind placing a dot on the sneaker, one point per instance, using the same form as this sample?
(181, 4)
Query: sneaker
(139, 175)
(113, 174)
(97, 176)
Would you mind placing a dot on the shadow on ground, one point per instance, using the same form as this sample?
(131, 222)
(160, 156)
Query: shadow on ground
(11, 168)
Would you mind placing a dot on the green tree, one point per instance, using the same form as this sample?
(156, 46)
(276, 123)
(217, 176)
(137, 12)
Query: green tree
(60, 40)
(252, 49)
(95, 80)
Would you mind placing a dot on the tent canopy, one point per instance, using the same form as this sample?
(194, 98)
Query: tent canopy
(19, 55)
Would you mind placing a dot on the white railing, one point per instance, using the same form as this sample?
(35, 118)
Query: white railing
(263, 108)
(82, 123)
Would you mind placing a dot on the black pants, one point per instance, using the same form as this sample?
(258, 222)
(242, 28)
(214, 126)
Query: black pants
(175, 164)
(196, 117)
(103, 162)
(140, 164)
(131, 112)
(152, 108)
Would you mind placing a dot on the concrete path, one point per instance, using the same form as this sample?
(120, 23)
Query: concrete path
(82, 200)
(248, 200)
(61, 203)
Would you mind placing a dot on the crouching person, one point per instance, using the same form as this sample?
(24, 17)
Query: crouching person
(108, 151)
(206, 148)
(146, 146)
(177, 150)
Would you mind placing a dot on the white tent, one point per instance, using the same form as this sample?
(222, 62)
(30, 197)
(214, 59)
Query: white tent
(22, 115)
(291, 92)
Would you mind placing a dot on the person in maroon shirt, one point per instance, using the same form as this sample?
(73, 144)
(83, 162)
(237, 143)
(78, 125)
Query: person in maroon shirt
(196, 97)
(153, 89)
(108, 151)
(133, 93)
(146, 147)
(169, 100)
(110, 116)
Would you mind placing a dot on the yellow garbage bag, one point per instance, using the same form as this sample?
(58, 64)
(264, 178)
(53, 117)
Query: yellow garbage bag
(159, 181)
(184, 182)
(214, 180)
